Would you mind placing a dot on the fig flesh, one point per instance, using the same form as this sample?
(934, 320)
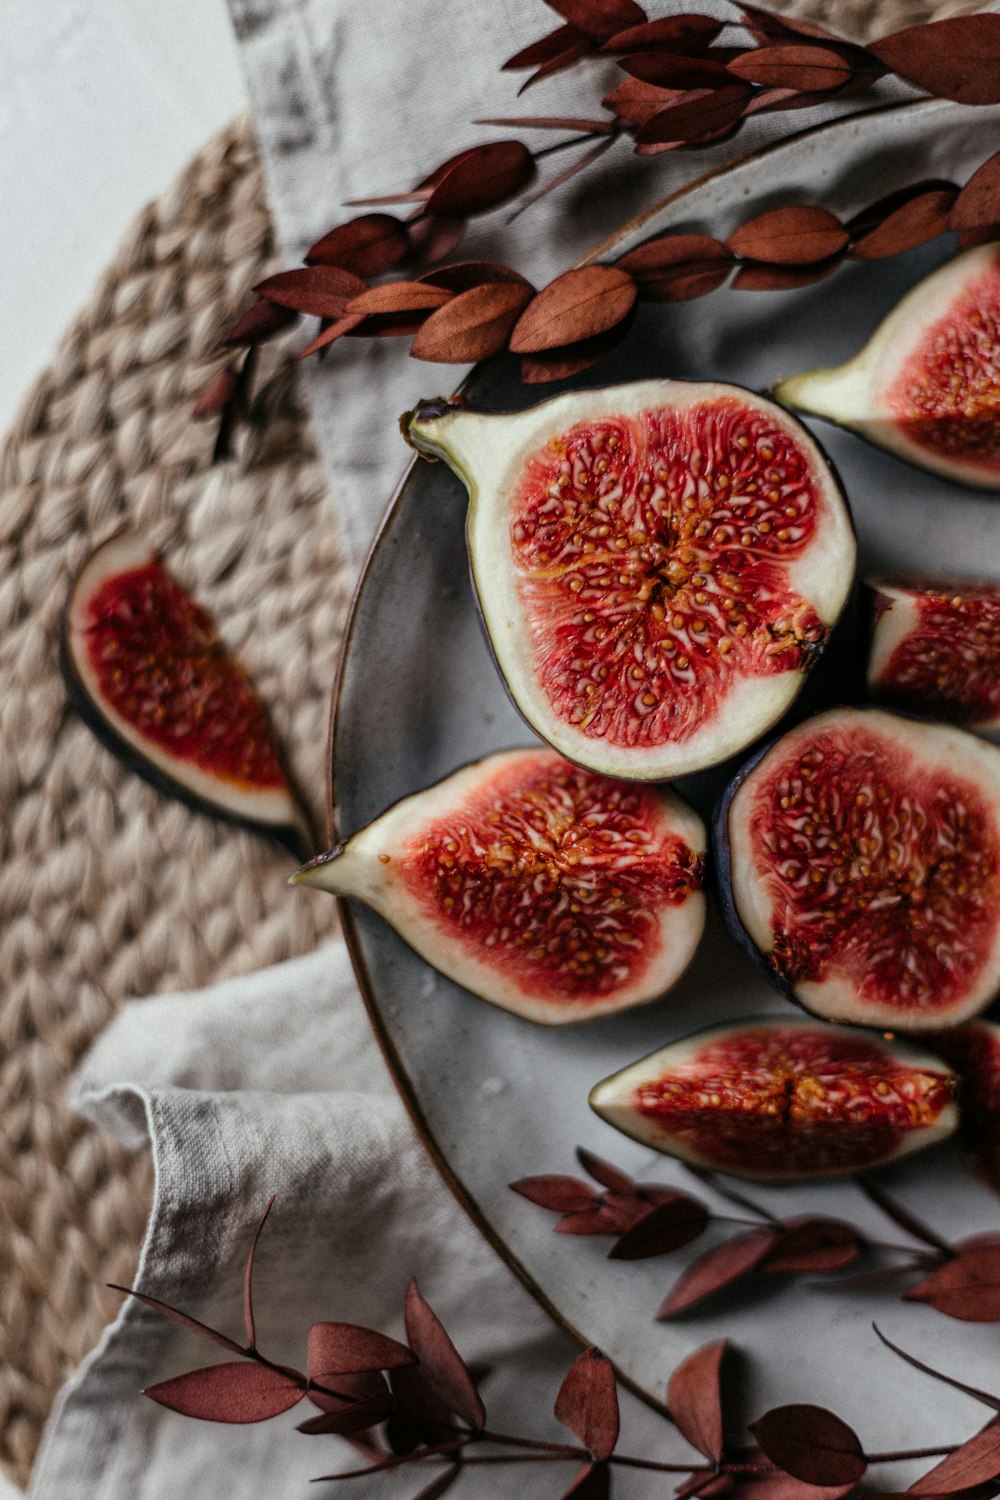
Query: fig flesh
(144, 666)
(782, 1100)
(859, 856)
(657, 565)
(973, 1051)
(926, 386)
(548, 890)
(935, 647)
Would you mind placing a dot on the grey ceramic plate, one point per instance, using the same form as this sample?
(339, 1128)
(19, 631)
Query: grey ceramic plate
(497, 1098)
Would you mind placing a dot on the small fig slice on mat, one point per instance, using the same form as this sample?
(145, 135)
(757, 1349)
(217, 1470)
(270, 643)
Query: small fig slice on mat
(859, 856)
(782, 1099)
(935, 647)
(926, 386)
(146, 669)
(553, 892)
(658, 565)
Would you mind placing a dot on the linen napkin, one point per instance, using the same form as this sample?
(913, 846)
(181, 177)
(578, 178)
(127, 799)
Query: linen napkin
(273, 1084)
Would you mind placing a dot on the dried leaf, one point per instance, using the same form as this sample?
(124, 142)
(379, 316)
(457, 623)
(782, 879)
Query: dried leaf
(599, 19)
(323, 291)
(570, 54)
(587, 1403)
(234, 1392)
(544, 50)
(393, 1461)
(248, 1278)
(552, 183)
(665, 1227)
(683, 33)
(560, 364)
(773, 25)
(399, 297)
(812, 1243)
(363, 1385)
(262, 320)
(464, 274)
(978, 203)
(217, 395)
(774, 1484)
(482, 178)
(580, 304)
(922, 218)
(958, 58)
(902, 1217)
(794, 66)
(798, 234)
(971, 1463)
(440, 1361)
(367, 245)
(767, 101)
(330, 333)
(967, 1287)
(694, 115)
(717, 1268)
(635, 102)
(347, 1348)
(353, 1415)
(694, 1399)
(439, 1486)
(753, 276)
(675, 70)
(811, 1444)
(559, 1194)
(621, 1210)
(970, 1390)
(433, 236)
(604, 1172)
(592, 1482)
(552, 122)
(182, 1319)
(589, 1221)
(677, 267)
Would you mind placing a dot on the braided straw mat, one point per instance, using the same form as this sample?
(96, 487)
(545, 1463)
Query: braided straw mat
(108, 890)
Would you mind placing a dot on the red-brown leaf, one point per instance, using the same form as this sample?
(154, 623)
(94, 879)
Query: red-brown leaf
(958, 58)
(560, 364)
(589, 1221)
(604, 1172)
(565, 59)
(665, 1227)
(978, 203)
(346, 1348)
(635, 102)
(440, 1361)
(695, 114)
(262, 320)
(767, 101)
(399, 297)
(330, 333)
(564, 1195)
(221, 390)
(773, 25)
(439, 1486)
(815, 1244)
(587, 1403)
(592, 1482)
(694, 1399)
(972, 1463)
(234, 1392)
(922, 218)
(351, 1416)
(323, 291)
(966, 1287)
(481, 179)
(580, 304)
(364, 1385)
(774, 1484)
(433, 237)
(464, 274)
(753, 276)
(551, 183)
(794, 66)
(599, 19)
(677, 267)
(544, 50)
(717, 1268)
(248, 1322)
(551, 122)
(367, 245)
(799, 234)
(621, 1210)
(683, 33)
(182, 1319)
(675, 70)
(811, 1444)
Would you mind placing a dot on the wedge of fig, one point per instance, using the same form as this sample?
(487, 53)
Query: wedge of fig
(859, 856)
(657, 565)
(926, 386)
(553, 892)
(146, 669)
(782, 1099)
(934, 649)
(973, 1052)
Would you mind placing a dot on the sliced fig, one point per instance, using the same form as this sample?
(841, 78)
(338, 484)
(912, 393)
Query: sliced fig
(146, 669)
(860, 856)
(973, 1051)
(549, 890)
(935, 647)
(782, 1099)
(926, 386)
(657, 565)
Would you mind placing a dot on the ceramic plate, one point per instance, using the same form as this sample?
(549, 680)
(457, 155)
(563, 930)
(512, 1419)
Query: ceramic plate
(497, 1098)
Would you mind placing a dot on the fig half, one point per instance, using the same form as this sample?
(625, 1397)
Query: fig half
(926, 386)
(553, 892)
(782, 1100)
(859, 856)
(657, 565)
(144, 666)
(934, 649)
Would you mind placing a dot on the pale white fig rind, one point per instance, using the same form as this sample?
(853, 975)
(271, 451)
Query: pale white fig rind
(853, 394)
(367, 866)
(488, 450)
(612, 1097)
(940, 747)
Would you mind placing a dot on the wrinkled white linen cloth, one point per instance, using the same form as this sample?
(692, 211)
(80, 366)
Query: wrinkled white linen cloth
(273, 1083)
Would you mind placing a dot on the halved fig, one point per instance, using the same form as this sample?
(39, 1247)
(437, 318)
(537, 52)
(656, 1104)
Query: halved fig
(657, 565)
(782, 1099)
(973, 1051)
(926, 386)
(859, 855)
(935, 647)
(146, 669)
(551, 891)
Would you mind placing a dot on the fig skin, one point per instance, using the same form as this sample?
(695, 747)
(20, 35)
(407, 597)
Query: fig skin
(287, 821)
(482, 873)
(940, 744)
(493, 452)
(776, 1120)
